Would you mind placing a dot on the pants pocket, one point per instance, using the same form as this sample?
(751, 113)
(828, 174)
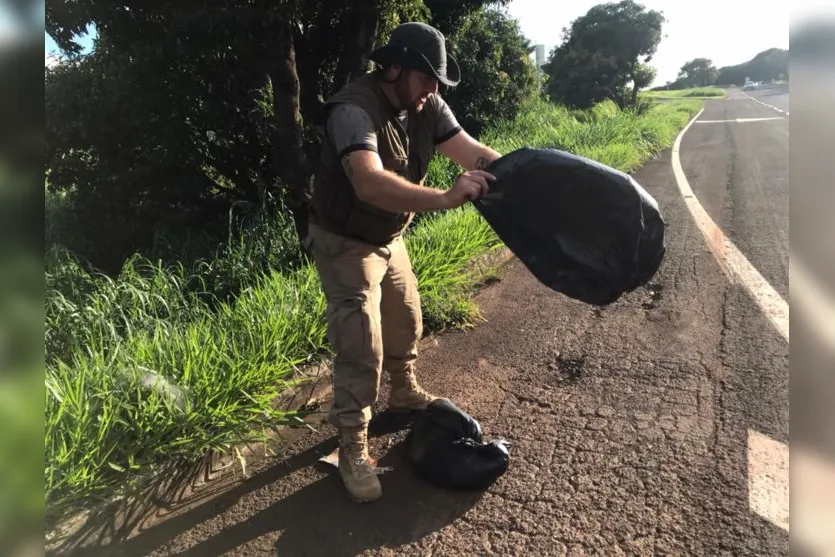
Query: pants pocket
(351, 329)
(359, 356)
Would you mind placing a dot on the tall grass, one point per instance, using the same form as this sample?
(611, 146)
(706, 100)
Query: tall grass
(85, 307)
(441, 249)
(179, 388)
(162, 362)
(622, 139)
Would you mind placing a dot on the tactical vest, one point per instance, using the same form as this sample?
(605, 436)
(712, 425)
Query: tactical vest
(335, 205)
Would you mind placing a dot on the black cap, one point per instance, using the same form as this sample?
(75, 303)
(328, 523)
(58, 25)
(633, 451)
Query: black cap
(420, 47)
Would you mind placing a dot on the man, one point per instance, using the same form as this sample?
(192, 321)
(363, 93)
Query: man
(382, 130)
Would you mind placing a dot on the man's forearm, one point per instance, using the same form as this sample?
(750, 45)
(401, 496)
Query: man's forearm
(483, 158)
(390, 192)
(468, 152)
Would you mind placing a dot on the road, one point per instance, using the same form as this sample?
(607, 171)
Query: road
(776, 95)
(657, 425)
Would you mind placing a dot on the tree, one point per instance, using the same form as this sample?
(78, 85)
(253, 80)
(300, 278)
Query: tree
(642, 78)
(601, 52)
(185, 108)
(178, 113)
(448, 16)
(699, 72)
(498, 74)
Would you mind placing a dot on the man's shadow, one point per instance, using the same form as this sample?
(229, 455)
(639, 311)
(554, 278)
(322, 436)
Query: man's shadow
(318, 519)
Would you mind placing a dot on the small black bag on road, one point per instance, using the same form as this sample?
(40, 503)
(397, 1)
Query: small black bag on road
(446, 447)
(581, 228)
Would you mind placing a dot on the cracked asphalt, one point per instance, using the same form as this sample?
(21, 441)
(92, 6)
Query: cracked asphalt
(629, 424)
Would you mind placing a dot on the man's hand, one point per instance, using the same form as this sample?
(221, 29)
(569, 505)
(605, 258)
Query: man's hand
(467, 187)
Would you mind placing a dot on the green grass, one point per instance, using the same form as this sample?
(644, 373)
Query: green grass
(694, 92)
(207, 382)
(153, 365)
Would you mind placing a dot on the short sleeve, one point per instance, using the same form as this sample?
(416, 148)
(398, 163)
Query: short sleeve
(350, 129)
(447, 125)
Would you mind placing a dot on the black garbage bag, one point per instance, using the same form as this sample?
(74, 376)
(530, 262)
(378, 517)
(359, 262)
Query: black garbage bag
(581, 228)
(447, 449)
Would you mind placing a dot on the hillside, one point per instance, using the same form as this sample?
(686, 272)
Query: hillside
(768, 65)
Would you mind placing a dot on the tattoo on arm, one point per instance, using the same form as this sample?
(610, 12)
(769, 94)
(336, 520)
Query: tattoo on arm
(346, 164)
(481, 163)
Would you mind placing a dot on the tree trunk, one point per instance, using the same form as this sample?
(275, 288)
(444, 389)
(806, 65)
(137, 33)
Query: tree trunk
(634, 91)
(363, 19)
(291, 164)
(307, 64)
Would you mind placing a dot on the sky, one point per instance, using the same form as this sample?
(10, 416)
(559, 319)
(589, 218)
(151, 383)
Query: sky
(51, 49)
(728, 32)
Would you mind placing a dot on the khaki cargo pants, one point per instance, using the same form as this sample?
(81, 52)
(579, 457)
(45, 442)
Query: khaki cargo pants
(374, 317)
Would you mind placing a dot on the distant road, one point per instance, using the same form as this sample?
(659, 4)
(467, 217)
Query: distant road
(736, 157)
(775, 95)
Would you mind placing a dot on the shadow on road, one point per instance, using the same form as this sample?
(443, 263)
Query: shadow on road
(107, 532)
(320, 520)
(316, 519)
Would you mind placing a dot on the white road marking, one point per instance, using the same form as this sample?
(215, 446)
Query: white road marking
(768, 478)
(735, 265)
(738, 120)
(780, 110)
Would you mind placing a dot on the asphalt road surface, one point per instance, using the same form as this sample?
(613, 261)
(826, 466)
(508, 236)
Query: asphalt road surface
(655, 426)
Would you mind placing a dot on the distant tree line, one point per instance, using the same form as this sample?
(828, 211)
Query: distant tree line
(768, 65)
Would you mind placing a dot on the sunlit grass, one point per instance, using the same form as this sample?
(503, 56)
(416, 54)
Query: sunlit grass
(693, 92)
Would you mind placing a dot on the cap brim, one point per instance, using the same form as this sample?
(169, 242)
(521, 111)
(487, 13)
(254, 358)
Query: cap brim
(453, 72)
